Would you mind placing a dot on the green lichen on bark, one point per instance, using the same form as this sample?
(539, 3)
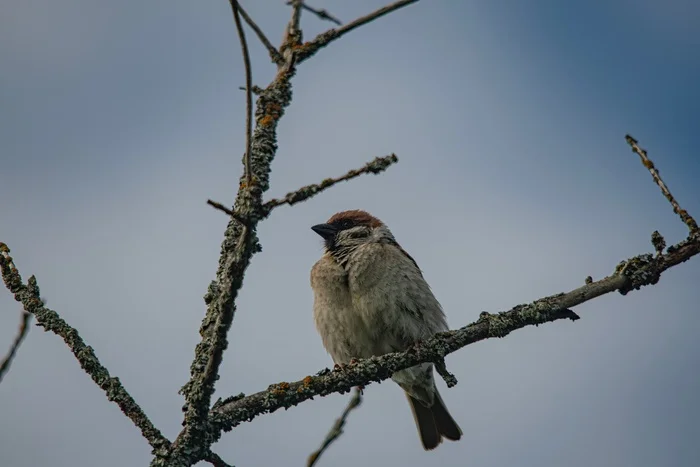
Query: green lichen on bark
(29, 296)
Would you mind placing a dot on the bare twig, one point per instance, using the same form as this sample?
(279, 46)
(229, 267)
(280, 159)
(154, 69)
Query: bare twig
(292, 37)
(337, 428)
(255, 89)
(322, 14)
(325, 38)
(449, 378)
(249, 90)
(375, 166)
(29, 296)
(685, 217)
(216, 460)
(294, 27)
(221, 207)
(21, 334)
(274, 54)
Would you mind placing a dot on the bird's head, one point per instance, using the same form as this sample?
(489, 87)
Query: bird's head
(347, 230)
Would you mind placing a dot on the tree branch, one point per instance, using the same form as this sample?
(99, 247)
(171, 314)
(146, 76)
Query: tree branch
(248, 89)
(29, 296)
(375, 166)
(629, 275)
(239, 245)
(215, 460)
(308, 49)
(685, 217)
(322, 14)
(21, 334)
(336, 429)
(274, 54)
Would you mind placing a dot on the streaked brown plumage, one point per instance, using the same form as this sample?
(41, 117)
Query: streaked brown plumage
(370, 298)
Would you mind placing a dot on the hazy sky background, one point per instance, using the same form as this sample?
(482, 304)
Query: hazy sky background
(119, 119)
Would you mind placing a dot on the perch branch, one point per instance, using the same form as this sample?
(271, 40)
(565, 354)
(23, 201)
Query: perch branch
(375, 166)
(235, 7)
(629, 275)
(274, 54)
(685, 217)
(322, 14)
(336, 429)
(21, 334)
(29, 296)
(308, 49)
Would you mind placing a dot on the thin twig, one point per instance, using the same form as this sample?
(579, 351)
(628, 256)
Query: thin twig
(375, 166)
(322, 14)
(294, 27)
(29, 296)
(274, 54)
(216, 460)
(292, 38)
(337, 428)
(257, 90)
(629, 275)
(249, 91)
(325, 38)
(449, 378)
(685, 217)
(21, 334)
(221, 207)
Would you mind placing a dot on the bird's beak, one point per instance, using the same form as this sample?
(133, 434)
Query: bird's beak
(325, 230)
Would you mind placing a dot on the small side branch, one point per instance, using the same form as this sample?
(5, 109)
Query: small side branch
(336, 429)
(685, 217)
(274, 54)
(248, 91)
(216, 460)
(322, 14)
(308, 49)
(29, 296)
(375, 166)
(21, 334)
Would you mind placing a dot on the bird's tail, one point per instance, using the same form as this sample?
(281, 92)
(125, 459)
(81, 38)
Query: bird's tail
(434, 422)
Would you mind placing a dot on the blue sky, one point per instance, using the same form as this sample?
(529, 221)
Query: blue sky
(119, 119)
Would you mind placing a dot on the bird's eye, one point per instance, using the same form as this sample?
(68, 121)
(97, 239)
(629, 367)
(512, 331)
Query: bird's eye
(346, 223)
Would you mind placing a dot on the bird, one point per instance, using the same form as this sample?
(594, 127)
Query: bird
(370, 298)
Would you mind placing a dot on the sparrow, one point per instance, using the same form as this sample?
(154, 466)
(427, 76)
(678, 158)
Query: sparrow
(370, 298)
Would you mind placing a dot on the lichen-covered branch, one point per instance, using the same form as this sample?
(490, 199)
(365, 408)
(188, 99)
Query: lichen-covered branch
(239, 245)
(629, 275)
(308, 49)
(337, 428)
(685, 217)
(29, 296)
(21, 334)
(375, 166)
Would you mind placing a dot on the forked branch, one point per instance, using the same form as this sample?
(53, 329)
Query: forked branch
(29, 296)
